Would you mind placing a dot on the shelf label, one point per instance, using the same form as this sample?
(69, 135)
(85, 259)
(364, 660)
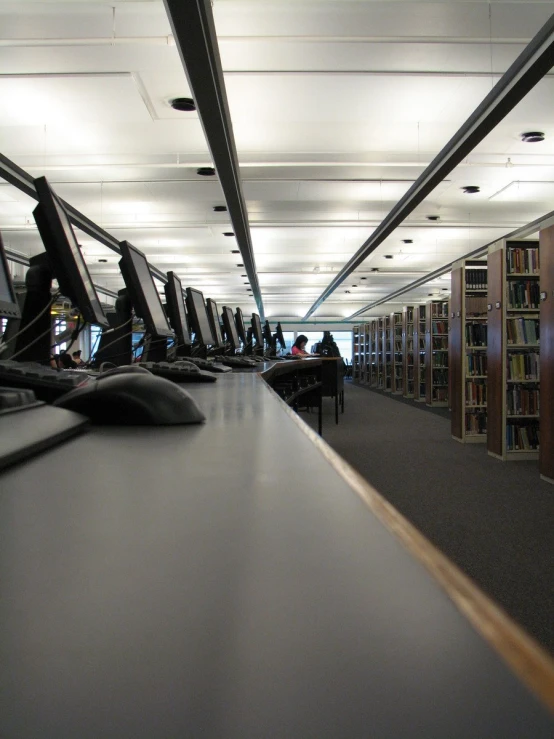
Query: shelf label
(544, 295)
(497, 304)
(489, 306)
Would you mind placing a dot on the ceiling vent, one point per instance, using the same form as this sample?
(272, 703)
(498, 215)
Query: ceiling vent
(206, 171)
(471, 189)
(184, 105)
(532, 137)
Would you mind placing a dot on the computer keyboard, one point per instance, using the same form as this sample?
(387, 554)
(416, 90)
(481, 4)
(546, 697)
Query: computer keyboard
(238, 362)
(206, 364)
(28, 426)
(180, 371)
(47, 383)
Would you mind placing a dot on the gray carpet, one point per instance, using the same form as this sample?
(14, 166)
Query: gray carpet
(494, 519)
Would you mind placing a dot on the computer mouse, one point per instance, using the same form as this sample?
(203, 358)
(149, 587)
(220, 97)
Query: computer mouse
(124, 369)
(133, 399)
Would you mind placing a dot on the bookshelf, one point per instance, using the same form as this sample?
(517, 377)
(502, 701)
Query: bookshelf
(374, 353)
(419, 352)
(397, 372)
(381, 352)
(356, 353)
(362, 354)
(436, 353)
(408, 350)
(546, 449)
(468, 351)
(367, 354)
(513, 350)
(387, 349)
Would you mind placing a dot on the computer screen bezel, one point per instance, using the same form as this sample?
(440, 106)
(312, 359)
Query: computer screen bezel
(201, 336)
(65, 256)
(136, 291)
(173, 290)
(8, 308)
(230, 327)
(257, 329)
(213, 319)
(240, 325)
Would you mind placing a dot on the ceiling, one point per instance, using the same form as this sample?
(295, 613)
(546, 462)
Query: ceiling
(336, 106)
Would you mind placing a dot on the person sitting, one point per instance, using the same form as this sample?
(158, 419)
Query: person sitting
(77, 357)
(299, 347)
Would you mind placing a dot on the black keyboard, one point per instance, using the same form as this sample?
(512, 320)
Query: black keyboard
(206, 364)
(48, 384)
(238, 362)
(178, 371)
(28, 426)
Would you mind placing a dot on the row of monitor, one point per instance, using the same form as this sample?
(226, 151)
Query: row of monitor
(66, 263)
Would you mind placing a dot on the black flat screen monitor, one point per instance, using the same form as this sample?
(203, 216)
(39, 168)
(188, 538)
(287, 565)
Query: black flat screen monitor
(9, 307)
(241, 328)
(267, 333)
(176, 308)
(230, 327)
(142, 290)
(66, 259)
(213, 318)
(280, 337)
(257, 329)
(199, 322)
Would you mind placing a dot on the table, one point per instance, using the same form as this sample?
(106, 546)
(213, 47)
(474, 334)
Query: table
(230, 580)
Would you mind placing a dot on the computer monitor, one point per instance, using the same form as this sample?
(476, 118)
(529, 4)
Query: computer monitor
(257, 330)
(176, 308)
(142, 290)
(230, 327)
(213, 318)
(268, 335)
(280, 337)
(199, 323)
(241, 328)
(67, 262)
(9, 307)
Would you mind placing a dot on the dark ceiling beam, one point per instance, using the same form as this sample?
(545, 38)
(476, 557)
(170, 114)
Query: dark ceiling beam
(520, 233)
(24, 182)
(195, 36)
(528, 69)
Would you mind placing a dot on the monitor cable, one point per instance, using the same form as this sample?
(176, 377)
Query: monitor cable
(35, 319)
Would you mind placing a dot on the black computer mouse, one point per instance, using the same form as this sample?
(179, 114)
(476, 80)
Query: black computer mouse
(133, 399)
(124, 369)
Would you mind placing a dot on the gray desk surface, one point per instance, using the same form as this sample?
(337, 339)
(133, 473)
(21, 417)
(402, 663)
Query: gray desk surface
(224, 581)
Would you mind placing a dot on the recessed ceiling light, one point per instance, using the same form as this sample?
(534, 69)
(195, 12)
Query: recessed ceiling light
(228, 233)
(433, 218)
(407, 241)
(220, 208)
(532, 137)
(206, 171)
(471, 189)
(388, 256)
(185, 105)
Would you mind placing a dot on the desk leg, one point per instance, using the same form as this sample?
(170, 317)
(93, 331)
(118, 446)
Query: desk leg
(337, 407)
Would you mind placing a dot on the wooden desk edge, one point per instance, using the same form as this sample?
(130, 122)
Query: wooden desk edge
(532, 665)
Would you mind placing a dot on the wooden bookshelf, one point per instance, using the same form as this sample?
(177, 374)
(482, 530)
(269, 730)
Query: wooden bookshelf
(546, 450)
(467, 362)
(356, 354)
(436, 353)
(387, 350)
(363, 367)
(513, 307)
(381, 352)
(419, 352)
(408, 353)
(397, 371)
(374, 352)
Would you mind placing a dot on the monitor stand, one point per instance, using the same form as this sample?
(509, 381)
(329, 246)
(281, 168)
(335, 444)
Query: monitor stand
(118, 336)
(155, 349)
(34, 343)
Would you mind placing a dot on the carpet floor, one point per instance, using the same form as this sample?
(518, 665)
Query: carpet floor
(493, 519)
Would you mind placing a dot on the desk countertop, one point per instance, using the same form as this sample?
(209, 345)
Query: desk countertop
(225, 580)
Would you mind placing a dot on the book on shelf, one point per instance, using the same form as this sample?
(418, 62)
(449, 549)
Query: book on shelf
(522, 260)
(523, 366)
(523, 295)
(476, 279)
(523, 330)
